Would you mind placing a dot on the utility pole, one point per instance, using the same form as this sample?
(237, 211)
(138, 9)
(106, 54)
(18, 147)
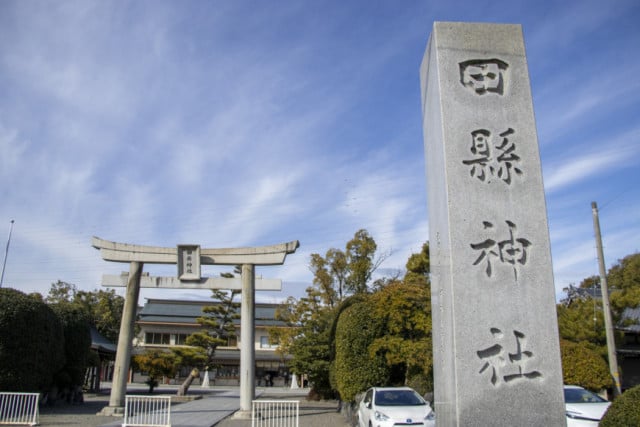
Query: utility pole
(608, 322)
(6, 253)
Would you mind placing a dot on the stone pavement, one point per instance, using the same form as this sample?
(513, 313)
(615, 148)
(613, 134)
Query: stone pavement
(215, 408)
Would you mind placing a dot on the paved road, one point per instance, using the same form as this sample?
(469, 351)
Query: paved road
(215, 408)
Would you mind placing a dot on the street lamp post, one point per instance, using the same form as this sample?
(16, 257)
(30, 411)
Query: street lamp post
(6, 253)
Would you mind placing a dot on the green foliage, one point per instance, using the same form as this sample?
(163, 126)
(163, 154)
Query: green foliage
(77, 343)
(583, 366)
(360, 261)
(218, 328)
(31, 343)
(311, 348)
(379, 345)
(356, 368)
(190, 356)
(624, 411)
(422, 383)
(405, 311)
(157, 364)
(626, 273)
(418, 267)
(624, 280)
(329, 275)
(102, 308)
(583, 321)
(340, 273)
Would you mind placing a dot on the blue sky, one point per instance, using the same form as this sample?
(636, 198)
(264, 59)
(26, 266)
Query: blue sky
(237, 123)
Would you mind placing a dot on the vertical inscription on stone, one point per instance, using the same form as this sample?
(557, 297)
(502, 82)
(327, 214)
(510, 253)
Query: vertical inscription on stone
(495, 333)
(189, 262)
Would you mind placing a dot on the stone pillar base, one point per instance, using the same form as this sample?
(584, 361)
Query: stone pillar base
(241, 415)
(114, 411)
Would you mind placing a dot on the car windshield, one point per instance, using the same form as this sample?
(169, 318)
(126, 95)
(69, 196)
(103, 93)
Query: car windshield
(398, 398)
(579, 395)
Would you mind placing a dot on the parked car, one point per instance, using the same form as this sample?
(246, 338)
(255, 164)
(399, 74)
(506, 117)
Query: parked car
(583, 408)
(390, 406)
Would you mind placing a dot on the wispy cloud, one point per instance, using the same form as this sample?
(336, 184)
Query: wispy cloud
(617, 153)
(219, 125)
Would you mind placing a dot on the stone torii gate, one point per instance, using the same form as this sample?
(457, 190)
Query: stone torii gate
(189, 258)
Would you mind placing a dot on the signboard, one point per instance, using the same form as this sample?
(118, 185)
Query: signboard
(189, 262)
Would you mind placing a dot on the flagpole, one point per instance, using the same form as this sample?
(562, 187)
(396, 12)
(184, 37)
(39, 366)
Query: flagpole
(6, 253)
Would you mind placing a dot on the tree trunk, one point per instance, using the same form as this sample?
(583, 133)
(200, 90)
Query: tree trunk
(187, 383)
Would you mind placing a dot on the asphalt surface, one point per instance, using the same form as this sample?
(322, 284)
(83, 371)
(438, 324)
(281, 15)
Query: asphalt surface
(215, 407)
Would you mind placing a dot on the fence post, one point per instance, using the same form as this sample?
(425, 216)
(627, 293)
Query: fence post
(147, 411)
(19, 408)
(275, 413)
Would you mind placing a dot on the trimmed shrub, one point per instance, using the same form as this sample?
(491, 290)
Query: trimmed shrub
(355, 369)
(31, 343)
(582, 366)
(624, 411)
(77, 344)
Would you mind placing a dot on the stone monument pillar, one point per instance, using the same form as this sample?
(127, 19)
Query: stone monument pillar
(495, 335)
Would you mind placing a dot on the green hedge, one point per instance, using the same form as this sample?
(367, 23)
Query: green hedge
(77, 344)
(31, 343)
(624, 411)
(584, 367)
(354, 369)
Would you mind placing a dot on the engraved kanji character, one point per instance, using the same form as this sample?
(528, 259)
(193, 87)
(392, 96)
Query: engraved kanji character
(486, 248)
(493, 357)
(509, 251)
(495, 360)
(486, 163)
(483, 75)
(519, 358)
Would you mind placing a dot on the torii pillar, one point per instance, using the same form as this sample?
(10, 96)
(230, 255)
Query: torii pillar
(137, 255)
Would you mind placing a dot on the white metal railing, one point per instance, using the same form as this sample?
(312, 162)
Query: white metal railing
(19, 408)
(147, 411)
(275, 413)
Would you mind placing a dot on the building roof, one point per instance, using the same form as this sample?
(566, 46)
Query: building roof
(630, 321)
(100, 343)
(186, 312)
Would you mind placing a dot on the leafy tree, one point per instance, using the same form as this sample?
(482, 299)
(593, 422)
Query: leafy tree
(329, 276)
(360, 261)
(340, 273)
(322, 348)
(405, 311)
(77, 344)
(310, 320)
(583, 366)
(583, 321)
(217, 324)
(625, 275)
(624, 280)
(157, 364)
(307, 338)
(580, 317)
(103, 308)
(357, 368)
(418, 267)
(31, 343)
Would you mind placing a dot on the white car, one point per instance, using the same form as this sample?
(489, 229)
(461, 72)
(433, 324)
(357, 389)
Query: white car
(583, 408)
(391, 406)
